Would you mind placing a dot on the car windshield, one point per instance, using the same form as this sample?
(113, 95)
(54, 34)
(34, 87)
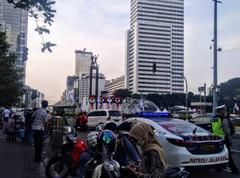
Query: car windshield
(114, 113)
(181, 128)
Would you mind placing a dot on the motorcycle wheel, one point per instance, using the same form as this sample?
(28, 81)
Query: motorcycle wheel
(56, 168)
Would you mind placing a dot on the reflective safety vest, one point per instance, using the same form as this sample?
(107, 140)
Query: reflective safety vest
(217, 127)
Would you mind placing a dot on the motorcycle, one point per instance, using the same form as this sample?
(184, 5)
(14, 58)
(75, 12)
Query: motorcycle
(109, 168)
(67, 162)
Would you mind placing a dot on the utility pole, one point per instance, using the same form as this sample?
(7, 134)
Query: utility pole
(215, 49)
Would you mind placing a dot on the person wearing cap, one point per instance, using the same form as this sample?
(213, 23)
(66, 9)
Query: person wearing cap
(220, 127)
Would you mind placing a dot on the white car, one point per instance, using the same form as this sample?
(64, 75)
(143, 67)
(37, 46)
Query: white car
(98, 117)
(185, 144)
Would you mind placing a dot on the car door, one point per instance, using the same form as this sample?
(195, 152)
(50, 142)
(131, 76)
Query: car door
(92, 121)
(102, 117)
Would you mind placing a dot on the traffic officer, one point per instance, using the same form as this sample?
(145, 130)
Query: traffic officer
(221, 128)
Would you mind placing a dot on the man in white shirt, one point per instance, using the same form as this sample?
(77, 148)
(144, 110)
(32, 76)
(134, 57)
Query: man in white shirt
(6, 114)
(40, 118)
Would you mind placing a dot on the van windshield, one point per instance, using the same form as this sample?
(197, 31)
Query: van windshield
(114, 113)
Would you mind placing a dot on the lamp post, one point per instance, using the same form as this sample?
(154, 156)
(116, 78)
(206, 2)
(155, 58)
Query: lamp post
(215, 50)
(154, 69)
(186, 95)
(186, 98)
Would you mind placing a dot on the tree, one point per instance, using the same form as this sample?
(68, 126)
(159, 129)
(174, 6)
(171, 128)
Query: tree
(230, 93)
(122, 93)
(11, 85)
(41, 11)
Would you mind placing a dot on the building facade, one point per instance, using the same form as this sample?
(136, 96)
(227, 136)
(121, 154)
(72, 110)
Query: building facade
(15, 23)
(84, 86)
(70, 88)
(115, 84)
(155, 36)
(82, 62)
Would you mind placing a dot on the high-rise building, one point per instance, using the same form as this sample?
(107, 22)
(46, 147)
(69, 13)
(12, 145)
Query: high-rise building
(82, 62)
(83, 84)
(114, 84)
(156, 36)
(70, 88)
(15, 23)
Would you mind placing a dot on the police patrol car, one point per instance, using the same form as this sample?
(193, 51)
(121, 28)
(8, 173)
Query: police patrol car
(185, 144)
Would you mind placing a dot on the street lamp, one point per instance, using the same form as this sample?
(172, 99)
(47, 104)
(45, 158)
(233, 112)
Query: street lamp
(186, 83)
(215, 50)
(154, 69)
(186, 95)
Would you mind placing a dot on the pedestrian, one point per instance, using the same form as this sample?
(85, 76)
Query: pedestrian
(40, 119)
(28, 125)
(153, 163)
(11, 128)
(220, 127)
(6, 114)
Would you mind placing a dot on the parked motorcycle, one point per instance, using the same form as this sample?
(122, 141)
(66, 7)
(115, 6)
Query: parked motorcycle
(67, 162)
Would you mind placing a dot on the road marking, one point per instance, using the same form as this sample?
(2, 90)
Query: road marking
(235, 151)
(227, 170)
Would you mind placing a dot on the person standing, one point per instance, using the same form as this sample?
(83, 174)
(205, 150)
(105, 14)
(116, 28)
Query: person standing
(220, 127)
(153, 163)
(6, 114)
(40, 118)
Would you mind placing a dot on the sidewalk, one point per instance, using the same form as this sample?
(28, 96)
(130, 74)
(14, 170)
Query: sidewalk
(16, 160)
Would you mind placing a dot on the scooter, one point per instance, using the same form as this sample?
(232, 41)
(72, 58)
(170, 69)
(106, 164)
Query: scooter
(67, 162)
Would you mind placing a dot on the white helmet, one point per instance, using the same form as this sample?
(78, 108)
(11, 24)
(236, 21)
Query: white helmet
(92, 138)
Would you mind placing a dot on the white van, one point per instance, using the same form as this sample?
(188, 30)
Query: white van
(98, 117)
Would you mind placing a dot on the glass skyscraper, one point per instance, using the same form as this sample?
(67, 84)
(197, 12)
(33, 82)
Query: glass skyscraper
(15, 23)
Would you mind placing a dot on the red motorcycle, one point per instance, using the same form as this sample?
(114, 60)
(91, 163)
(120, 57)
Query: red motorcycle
(68, 161)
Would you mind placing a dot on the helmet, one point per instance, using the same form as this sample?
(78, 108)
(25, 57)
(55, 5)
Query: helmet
(107, 139)
(92, 139)
(111, 126)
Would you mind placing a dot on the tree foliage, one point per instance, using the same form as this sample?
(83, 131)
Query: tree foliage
(41, 11)
(230, 92)
(122, 93)
(11, 85)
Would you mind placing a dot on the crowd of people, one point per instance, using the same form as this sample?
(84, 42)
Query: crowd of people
(141, 152)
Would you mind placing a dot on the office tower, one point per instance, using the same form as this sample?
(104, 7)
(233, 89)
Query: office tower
(15, 23)
(156, 37)
(82, 62)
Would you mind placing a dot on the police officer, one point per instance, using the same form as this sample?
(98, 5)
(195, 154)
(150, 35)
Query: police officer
(221, 128)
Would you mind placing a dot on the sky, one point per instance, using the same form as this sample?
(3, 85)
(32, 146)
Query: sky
(100, 26)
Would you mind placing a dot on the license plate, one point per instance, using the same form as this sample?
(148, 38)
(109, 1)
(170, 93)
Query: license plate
(207, 147)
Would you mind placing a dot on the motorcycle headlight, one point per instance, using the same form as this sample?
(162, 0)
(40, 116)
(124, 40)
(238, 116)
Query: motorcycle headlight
(112, 167)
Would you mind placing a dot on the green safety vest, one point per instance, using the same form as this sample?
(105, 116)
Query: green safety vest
(217, 127)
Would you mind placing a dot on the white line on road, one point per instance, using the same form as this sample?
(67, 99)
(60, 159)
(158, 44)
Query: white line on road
(235, 151)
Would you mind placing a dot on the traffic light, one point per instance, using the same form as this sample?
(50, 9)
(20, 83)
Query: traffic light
(154, 67)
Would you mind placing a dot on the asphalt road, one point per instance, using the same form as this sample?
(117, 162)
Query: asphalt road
(211, 173)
